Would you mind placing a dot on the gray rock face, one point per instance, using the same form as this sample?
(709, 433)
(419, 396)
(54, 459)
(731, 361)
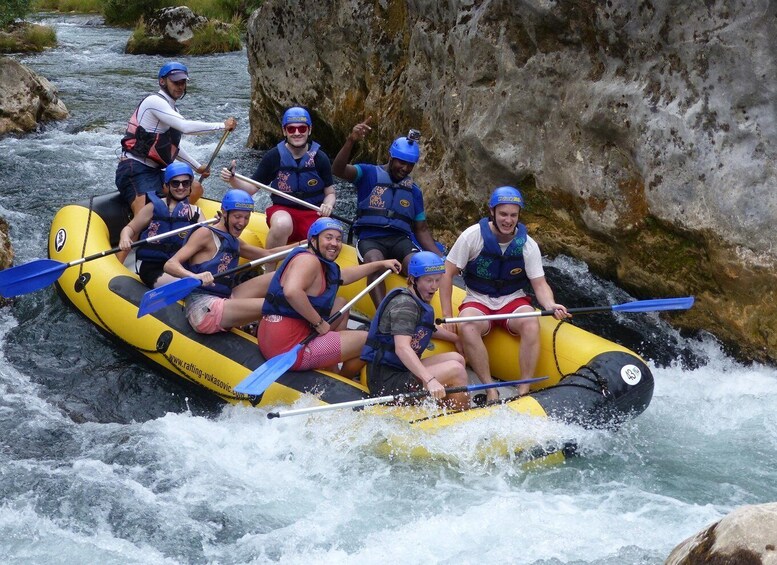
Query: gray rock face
(747, 536)
(176, 23)
(644, 134)
(26, 99)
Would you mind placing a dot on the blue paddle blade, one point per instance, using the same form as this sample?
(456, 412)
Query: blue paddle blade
(157, 298)
(265, 375)
(30, 277)
(655, 305)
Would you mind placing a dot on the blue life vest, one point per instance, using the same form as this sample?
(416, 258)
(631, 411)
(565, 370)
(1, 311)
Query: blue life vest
(389, 204)
(379, 348)
(276, 304)
(495, 273)
(159, 147)
(226, 258)
(299, 179)
(163, 221)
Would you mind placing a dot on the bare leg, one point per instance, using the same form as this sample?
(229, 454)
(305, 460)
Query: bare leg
(281, 227)
(351, 343)
(379, 292)
(449, 369)
(475, 350)
(529, 330)
(241, 311)
(253, 288)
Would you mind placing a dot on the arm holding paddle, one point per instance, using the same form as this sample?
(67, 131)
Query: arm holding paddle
(544, 295)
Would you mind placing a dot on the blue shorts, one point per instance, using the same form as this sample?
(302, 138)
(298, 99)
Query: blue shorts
(134, 179)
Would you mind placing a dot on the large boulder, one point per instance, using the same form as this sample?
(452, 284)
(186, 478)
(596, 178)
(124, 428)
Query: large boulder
(643, 133)
(170, 32)
(26, 99)
(746, 536)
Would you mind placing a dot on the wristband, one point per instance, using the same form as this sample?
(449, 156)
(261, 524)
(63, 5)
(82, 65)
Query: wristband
(315, 326)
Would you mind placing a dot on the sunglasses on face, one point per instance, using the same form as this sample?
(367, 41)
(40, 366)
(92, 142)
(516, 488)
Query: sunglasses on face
(295, 129)
(183, 183)
(181, 82)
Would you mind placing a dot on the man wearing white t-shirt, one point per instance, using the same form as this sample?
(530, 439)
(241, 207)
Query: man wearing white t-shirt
(499, 261)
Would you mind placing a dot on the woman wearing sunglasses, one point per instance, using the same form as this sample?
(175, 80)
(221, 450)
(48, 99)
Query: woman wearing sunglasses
(162, 215)
(299, 167)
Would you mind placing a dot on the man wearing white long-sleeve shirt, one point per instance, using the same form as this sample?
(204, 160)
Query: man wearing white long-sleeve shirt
(153, 136)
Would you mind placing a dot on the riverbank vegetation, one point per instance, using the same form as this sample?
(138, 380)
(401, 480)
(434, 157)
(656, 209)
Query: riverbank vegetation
(128, 14)
(24, 37)
(213, 37)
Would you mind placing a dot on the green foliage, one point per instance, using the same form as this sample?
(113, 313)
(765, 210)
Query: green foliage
(25, 37)
(79, 6)
(40, 36)
(214, 38)
(124, 13)
(10, 10)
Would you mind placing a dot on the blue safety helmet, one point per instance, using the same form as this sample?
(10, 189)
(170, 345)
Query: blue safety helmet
(405, 149)
(296, 115)
(176, 169)
(505, 195)
(323, 224)
(425, 263)
(179, 71)
(236, 199)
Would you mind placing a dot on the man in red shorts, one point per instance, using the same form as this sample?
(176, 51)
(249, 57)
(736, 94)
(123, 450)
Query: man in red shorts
(498, 261)
(299, 167)
(303, 293)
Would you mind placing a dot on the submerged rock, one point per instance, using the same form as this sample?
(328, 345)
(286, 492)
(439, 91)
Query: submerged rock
(644, 134)
(746, 536)
(26, 99)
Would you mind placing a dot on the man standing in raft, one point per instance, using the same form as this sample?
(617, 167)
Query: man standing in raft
(217, 306)
(298, 167)
(153, 137)
(303, 293)
(390, 206)
(161, 215)
(400, 332)
(498, 261)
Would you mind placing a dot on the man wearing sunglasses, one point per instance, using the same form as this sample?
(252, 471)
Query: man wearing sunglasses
(298, 167)
(153, 137)
(161, 215)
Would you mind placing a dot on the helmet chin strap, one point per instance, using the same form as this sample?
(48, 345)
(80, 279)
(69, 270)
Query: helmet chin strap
(498, 230)
(315, 248)
(417, 293)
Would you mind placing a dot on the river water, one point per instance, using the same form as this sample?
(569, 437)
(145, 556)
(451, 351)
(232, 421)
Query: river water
(104, 461)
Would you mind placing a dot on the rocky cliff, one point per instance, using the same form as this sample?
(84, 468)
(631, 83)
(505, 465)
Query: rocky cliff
(642, 132)
(26, 99)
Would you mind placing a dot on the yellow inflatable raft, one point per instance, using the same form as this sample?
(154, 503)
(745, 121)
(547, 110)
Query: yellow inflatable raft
(591, 381)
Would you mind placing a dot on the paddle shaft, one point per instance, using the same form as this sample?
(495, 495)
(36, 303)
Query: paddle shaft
(653, 305)
(215, 152)
(394, 397)
(334, 317)
(535, 314)
(257, 262)
(140, 242)
(287, 196)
